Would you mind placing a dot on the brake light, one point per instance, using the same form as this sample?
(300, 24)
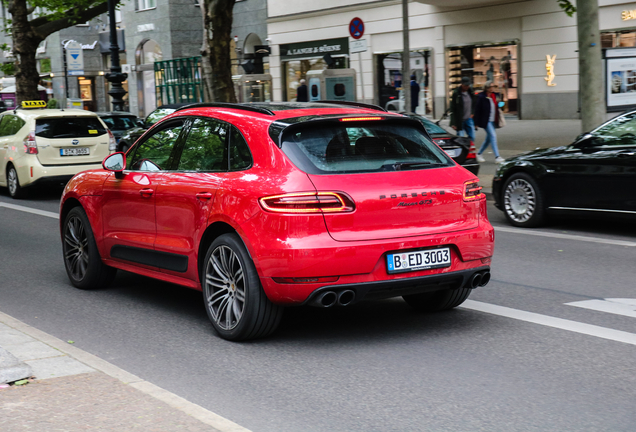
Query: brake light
(30, 146)
(308, 202)
(348, 119)
(472, 191)
(472, 152)
(112, 142)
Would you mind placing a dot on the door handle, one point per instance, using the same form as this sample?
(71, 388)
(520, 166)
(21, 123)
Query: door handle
(146, 193)
(204, 195)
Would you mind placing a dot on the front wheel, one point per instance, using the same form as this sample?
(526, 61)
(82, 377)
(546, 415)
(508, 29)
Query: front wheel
(523, 201)
(83, 264)
(234, 298)
(437, 301)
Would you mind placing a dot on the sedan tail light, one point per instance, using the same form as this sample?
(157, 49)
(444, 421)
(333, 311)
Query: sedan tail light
(112, 142)
(308, 202)
(30, 146)
(472, 153)
(472, 191)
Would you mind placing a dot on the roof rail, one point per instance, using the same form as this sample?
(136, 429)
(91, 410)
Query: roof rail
(355, 104)
(228, 105)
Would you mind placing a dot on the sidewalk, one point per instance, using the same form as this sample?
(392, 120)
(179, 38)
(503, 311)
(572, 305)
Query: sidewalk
(72, 390)
(520, 136)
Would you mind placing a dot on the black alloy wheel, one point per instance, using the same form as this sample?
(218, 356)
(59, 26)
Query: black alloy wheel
(437, 301)
(83, 264)
(15, 190)
(523, 201)
(232, 293)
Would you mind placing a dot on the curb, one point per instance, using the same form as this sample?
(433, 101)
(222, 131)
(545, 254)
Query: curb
(196, 411)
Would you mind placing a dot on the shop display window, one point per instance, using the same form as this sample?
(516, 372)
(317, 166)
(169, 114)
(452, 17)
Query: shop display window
(389, 80)
(297, 70)
(621, 39)
(496, 63)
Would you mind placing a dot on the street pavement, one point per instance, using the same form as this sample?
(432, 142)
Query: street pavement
(70, 389)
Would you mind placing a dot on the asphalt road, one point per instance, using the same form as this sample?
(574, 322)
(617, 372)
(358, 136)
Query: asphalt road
(515, 358)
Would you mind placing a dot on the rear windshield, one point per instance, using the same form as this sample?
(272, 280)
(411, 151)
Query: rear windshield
(338, 148)
(431, 127)
(119, 123)
(69, 127)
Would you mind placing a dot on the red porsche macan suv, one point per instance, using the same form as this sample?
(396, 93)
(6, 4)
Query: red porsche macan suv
(262, 206)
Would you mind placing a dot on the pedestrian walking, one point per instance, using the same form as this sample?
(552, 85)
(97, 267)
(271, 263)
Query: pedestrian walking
(462, 109)
(302, 95)
(415, 94)
(487, 117)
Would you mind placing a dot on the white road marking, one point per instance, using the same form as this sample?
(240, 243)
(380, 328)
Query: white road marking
(559, 323)
(617, 306)
(30, 210)
(564, 236)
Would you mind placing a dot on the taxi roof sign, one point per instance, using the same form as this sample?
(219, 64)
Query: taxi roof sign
(34, 104)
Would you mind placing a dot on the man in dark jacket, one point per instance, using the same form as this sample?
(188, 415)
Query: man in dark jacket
(415, 94)
(462, 108)
(302, 95)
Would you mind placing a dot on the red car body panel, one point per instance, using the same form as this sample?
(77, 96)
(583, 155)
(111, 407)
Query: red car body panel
(170, 211)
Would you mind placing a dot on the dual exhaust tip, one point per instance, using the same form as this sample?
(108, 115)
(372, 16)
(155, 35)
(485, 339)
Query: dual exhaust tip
(479, 279)
(332, 298)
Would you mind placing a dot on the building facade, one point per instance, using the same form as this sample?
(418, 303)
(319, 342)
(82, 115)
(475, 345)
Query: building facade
(528, 48)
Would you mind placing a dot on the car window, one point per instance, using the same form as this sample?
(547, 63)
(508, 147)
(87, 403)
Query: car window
(69, 127)
(240, 156)
(205, 147)
(4, 125)
(620, 131)
(157, 115)
(155, 152)
(385, 145)
(120, 123)
(431, 127)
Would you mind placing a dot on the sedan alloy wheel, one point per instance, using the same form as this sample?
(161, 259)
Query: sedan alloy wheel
(523, 204)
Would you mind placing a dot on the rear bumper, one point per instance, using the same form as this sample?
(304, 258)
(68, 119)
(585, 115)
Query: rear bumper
(32, 172)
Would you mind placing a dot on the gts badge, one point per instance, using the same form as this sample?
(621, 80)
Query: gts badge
(426, 198)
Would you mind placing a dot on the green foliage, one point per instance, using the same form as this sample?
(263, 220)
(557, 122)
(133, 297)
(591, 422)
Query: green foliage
(58, 9)
(567, 7)
(8, 69)
(52, 104)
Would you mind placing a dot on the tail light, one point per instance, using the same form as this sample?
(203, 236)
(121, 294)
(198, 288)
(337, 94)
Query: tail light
(308, 202)
(30, 146)
(472, 191)
(472, 153)
(112, 142)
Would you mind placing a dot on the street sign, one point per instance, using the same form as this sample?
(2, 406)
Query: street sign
(74, 58)
(358, 46)
(356, 28)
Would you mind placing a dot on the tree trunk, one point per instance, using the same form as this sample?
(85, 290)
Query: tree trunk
(25, 44)
(217, 64)
(591, 88)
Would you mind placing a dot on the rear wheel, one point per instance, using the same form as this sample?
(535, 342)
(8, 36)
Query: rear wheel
(83, 264)
(437, 300)
(523, 201)
(15, 190)
(232, 292)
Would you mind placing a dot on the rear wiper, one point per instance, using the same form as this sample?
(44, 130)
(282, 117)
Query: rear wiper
(409, 165)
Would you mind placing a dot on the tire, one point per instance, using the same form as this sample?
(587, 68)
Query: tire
(523, 201)
(437, 301)
(83, 264)
(229, 278)
(13, 183)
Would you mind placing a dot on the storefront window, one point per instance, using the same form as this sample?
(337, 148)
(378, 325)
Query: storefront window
(496, 63)
(86, 93)
(297, 70)
(389, 80)
(618, 39)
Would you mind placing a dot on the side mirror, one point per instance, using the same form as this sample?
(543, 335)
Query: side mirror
(584, 140)
(115, 162)
(140, 123)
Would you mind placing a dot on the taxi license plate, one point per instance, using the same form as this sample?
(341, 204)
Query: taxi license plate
(418, 260)
(78, 151)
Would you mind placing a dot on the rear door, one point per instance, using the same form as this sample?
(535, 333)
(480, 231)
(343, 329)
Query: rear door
(71, 140)
(402, 185)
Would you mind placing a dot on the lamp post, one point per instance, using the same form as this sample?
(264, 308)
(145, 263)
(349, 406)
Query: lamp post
(115, 77)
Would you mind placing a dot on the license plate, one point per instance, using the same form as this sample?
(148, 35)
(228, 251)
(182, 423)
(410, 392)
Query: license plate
(418, 260)
(76, 151)
(453, 152)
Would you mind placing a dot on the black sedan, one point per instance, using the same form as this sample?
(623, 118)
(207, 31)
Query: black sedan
(596, 174)
(461, 149)
(119, 122)
(131, 135)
